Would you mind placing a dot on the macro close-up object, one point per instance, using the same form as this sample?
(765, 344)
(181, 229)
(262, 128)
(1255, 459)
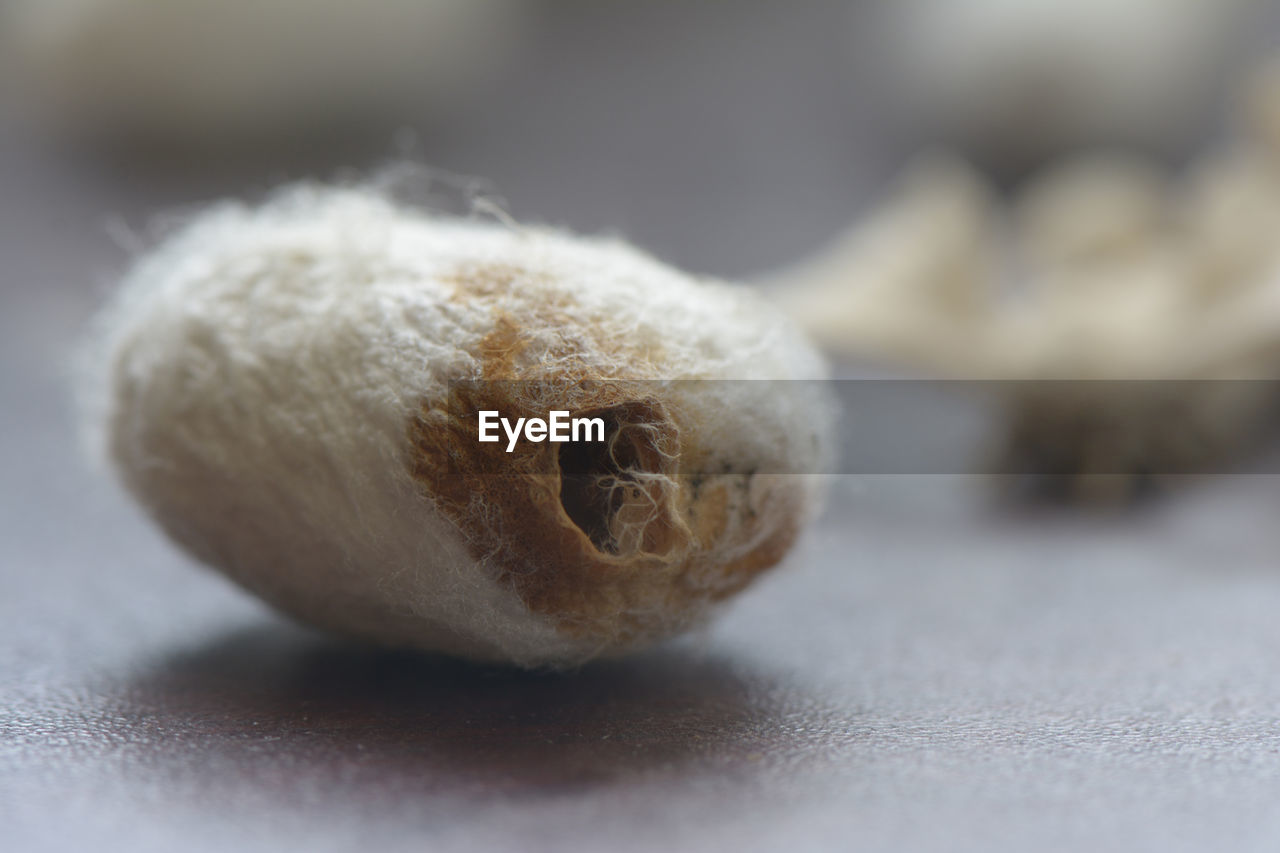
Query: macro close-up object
(548, 426)
(292, 392)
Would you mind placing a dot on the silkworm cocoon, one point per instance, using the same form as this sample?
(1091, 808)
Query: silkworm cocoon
(1231, 207)
(1111, 316)
(1162, 324)
(909, 281)
(214, 70)
(1122, 308)
(1093, 211)
(1230, 211)
(279, 387)
(1097, 246)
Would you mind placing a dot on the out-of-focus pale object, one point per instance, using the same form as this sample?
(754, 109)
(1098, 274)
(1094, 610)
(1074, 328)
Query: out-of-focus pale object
(1159, 306)
(1093, 210)
(210, 70)
(1132, 321)
(1027, 78)
(1231, 206)
(1103, 273)
(1262, 107)
(1231, 212)
(911, 281)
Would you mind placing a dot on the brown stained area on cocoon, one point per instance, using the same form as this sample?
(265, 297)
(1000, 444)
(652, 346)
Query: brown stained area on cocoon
(616, 492)
(611, 540)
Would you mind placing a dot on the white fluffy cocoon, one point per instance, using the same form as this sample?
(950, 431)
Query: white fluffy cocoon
(912, 283)
(209, 70)
(278, 386)
(1104, 270)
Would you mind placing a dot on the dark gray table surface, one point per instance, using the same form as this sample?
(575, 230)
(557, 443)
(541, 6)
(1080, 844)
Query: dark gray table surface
(929, 672)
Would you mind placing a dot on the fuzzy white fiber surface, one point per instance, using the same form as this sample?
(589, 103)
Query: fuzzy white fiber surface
(273, 385)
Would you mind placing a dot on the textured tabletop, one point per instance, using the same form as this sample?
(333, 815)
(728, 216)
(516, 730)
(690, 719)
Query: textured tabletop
(930, 671)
